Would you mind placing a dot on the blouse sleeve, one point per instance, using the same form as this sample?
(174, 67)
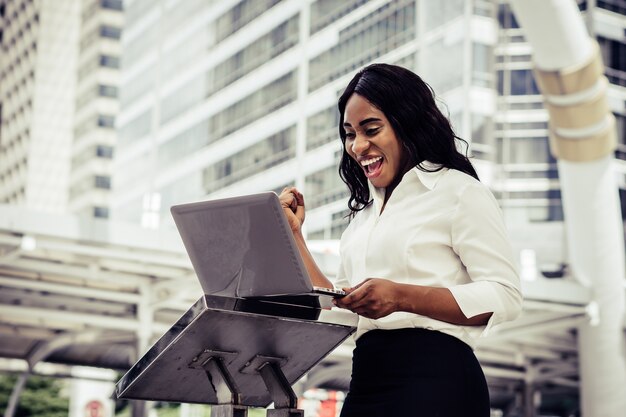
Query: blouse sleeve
(479, 238)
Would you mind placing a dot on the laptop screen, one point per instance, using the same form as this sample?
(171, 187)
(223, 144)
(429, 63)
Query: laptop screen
(242, 246)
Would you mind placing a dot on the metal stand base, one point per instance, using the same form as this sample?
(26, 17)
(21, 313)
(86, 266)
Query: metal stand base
(229, 410)
(235, 353)
(229, 396)
(285, 412)
(285, 400)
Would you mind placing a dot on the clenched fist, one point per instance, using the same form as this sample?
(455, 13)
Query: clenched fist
(292, 202)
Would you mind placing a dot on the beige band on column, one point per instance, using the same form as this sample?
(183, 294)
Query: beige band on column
(573, 79)
(585, 149)
(580, 115)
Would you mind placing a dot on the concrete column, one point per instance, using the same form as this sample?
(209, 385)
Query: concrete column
(569, 73)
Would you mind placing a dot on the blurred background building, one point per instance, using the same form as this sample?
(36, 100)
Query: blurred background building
(58, 101)
(229, 97)
(118, 110)
(37, 94)
(96, 101)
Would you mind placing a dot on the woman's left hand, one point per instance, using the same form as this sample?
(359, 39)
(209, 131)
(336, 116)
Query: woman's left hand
(373, 298)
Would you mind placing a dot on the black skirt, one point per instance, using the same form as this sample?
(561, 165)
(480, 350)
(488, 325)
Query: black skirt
(415, 372)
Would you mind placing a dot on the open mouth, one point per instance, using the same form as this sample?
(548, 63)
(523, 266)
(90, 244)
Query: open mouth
(372, 166)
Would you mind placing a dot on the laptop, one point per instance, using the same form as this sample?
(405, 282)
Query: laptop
(243, 247)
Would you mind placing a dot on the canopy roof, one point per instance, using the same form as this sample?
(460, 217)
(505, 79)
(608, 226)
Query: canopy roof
(95, 293)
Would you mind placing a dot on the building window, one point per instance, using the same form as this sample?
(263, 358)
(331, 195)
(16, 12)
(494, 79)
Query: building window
(264, 101)
(622, 197)
(483, 8)
(524, 150)
(362, 42)
(240, 15)
(614, 57)
(324, 187)
(552, 212)
(99, 151)
(104, 151)
(101, 212)
(617, 6)
(620, 122)
(106, 121)
(322, 127)
(506, 18)
(265, 154)
(107, 91)
(482, 67)
(110, 32)
(325, 12)
(109, 61)
(520, 83)
(278, 40)
(112, 4)
(102, 182)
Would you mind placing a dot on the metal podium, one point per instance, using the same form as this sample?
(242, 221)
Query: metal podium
(237, 353)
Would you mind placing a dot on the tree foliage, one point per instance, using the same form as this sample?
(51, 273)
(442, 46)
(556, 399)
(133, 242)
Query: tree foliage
(40, 397)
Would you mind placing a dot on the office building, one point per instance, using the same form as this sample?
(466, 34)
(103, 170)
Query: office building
(58, 89)
(230, 97)
(37, 85)
(97, 92)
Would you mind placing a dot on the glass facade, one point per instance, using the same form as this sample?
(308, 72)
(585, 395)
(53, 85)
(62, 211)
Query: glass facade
(184, 144)
(324, 187)
(259, 157)
(439, 13)
(325, 12)
(243, 13)
(262, 102)
(278, 40)
(364, 41)
(322, 128)
(614, 57)
(194, 100)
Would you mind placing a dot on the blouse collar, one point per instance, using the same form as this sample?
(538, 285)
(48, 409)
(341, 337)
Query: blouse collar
(427, 178)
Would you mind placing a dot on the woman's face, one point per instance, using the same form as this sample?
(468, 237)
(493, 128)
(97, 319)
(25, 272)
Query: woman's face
(371, 141)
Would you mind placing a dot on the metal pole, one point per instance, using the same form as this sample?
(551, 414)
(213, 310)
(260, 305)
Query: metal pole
(15, 394)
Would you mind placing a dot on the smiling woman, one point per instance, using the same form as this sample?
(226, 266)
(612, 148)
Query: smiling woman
(372, 143)
(425, 261)
(415, 121)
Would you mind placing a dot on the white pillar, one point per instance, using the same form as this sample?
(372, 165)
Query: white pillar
(556, 31)
(595, 233)
(90, 392)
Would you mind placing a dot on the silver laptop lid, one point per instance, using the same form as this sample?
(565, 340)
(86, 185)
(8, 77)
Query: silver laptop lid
(242, 246)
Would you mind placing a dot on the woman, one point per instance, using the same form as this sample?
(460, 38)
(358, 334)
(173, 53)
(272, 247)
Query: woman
(425, 260)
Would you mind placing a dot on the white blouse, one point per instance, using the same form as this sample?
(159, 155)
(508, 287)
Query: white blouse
(440, 229)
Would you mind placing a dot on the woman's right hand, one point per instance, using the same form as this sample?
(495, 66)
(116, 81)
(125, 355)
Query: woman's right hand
(292, 202)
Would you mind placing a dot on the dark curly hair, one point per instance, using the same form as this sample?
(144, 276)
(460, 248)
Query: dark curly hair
(409, 105)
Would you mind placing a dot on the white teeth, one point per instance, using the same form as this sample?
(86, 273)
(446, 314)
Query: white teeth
(371, 161)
